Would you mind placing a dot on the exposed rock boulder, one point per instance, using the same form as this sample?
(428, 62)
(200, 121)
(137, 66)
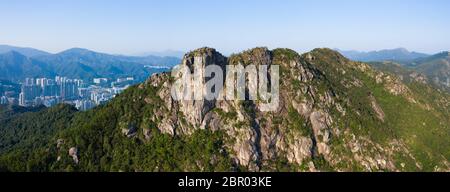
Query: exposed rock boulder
(73, 152)
(59, 143)
(378, 110)
(130, 130)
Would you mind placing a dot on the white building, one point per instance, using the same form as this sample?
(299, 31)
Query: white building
(4, 100)
(100, 80)
(84, 105)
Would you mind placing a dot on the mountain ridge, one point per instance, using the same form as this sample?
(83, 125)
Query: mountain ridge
(16, 67)
(434, 70)
(81, 63)
(334, 115)
(398, 54)
(29, 52)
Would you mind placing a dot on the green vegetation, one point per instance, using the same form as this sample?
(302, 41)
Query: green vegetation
(298, 123)
(226, 115)
(31, 127)
(25, 133)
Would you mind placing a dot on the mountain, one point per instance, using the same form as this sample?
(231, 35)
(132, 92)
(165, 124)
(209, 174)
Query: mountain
(399, 54)
(86, 64)
(81, 63)
(96, 58)
(434, 70)
(437, 68)
(405, 74)
(334, 114)
(16, 67)
(29, 52)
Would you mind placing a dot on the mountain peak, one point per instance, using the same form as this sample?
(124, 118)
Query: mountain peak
(325, 50)
(400, 49)
(76, 50)
(327, 53)
(208, 56)
(202, 51)
(398, 54)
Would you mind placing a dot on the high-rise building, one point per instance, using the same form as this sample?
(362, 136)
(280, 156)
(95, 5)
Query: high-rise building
(84, 105)
(50, 89)
(4, 100)
(29, 92)
(49, 92)
(22, 99)
(69, 89)
(84, 93)
(29, 81)
(41, 82)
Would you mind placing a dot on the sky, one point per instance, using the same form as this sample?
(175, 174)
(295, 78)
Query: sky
(135, 27)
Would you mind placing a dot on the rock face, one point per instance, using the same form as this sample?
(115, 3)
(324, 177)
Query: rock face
(73, 152)
(130, 130)
(300, 130)
(319, 123)
(378, 110)
(193, 109)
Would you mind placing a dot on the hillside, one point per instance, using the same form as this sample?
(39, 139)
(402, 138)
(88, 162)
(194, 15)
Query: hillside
(15, 67)
(334, 115)
(25, 132)
(437, 68)
(406, 74)
(434, 70)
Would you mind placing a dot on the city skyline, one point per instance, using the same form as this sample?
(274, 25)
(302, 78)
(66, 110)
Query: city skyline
(141, 27)
(83, 95)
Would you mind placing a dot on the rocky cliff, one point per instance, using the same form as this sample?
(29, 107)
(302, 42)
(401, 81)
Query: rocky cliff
(317, 117)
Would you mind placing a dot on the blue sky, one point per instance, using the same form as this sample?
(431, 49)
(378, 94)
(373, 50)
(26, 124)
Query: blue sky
(133, 26)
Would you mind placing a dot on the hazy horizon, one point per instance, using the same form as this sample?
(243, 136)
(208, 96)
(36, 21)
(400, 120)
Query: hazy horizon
(171, 52)
(134, 28)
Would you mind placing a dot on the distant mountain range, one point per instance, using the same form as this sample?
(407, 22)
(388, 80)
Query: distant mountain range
(399, 54)
(409, 65)
(18, 63)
